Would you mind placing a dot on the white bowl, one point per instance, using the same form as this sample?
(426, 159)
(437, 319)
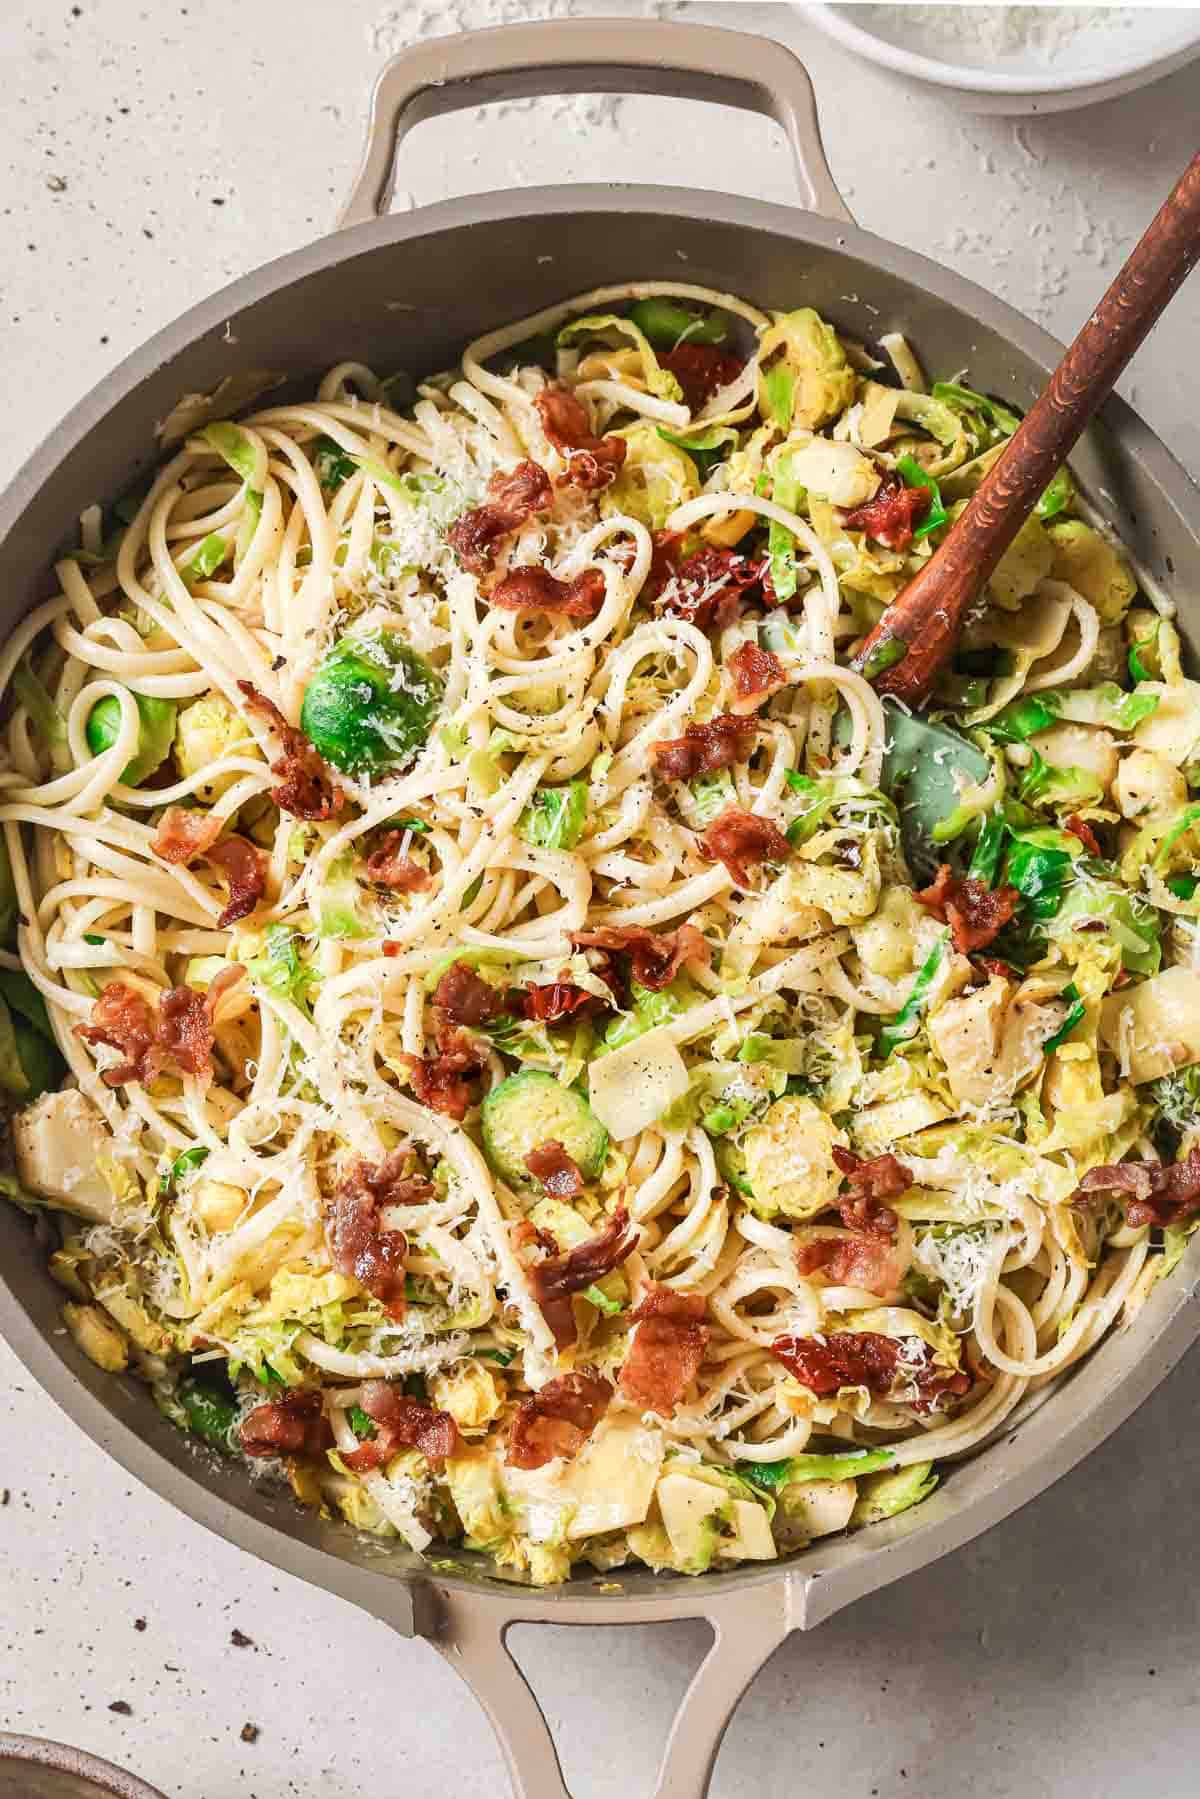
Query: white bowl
(1100, 51)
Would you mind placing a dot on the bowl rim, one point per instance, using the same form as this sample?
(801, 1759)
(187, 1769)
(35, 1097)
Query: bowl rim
(1161, 60)
(396, 1592)
(65, 1758)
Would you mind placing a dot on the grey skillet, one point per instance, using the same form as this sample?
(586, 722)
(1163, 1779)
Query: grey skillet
(409, 291)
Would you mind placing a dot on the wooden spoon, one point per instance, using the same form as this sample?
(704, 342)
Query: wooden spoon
(916, 636)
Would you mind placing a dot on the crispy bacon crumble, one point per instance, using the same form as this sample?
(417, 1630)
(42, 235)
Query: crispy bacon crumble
(359, 1245)
(550, 1164)
(401, 1422)
(975, 912)
(656, 957)
(306, 785)
(888, 1368)
(592, 462)
(741, 840)
(512, 497)
(559, 1276)
(666, 1349)
(557, 1420)
(705, 748)
(174, 1035)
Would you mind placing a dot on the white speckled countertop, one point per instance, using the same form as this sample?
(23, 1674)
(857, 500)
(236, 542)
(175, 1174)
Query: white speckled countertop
(150, 151)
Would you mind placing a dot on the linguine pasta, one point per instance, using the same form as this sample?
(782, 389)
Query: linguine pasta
(509, 1029)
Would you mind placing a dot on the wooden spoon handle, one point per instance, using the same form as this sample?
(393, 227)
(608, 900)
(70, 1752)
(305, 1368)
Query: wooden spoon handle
(917, 634)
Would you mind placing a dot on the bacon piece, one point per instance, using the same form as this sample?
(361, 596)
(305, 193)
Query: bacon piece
(390, 867)
(512, 497)
(871, 1182)
(245, 868)
(526, 1234)
(359, 1246)
(993, 965)
(307, 788)
(466, 998)
(556, 999)
(704, 748)
(554, 1280)
(885, 1366)
(293, 1424)
(515, 495)
(741, 840)
(757, 674)
(589, 470)
(123, 1020)
(594, 461)
(559, 1175)
(184, 1034)
(666, 547)
(706, 588)
(535, 589)
(557, 1420)
(857, 1259)
(184, 833)
(1161, 1194)
(179, 1031)
(401, 1422)
(666, 1349)
(975, 913)
(410, 1190)
(442, 1081)
(564, 416)
(867, 1257)
(1079, 827)
(700, 370)
(892, 514)
(656, 956)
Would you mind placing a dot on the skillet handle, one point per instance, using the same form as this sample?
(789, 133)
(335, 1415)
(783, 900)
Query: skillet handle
(587, 56)
(748, 1625)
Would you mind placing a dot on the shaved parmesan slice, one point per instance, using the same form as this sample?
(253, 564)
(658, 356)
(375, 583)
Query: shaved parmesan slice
(703, 1521)
(633, 1086)
(819, 1508)
(879, 1128)
(608, 1486)
(59, 1144)
(1173, 728)
(878, 415)
(1155, 1026)
(835, 470)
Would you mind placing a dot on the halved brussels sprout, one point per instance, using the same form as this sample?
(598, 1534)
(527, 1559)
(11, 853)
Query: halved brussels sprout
(657, 476)
(154, 741)
(804, 378)
(369, 707)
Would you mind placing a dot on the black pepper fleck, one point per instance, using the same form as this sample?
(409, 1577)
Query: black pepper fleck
(122, 1707)
(240, 1640)
(249, 1733)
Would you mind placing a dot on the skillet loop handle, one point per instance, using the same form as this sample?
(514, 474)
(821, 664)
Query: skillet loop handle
(748, 1626)
(587, 56)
